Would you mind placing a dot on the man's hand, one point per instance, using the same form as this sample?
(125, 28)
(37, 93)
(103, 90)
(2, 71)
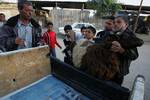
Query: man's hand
(19, 41)
(116, 47)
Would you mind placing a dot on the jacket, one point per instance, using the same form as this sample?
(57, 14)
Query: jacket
(130, 54)
(9, 32)
(50, 38)
(102, 35)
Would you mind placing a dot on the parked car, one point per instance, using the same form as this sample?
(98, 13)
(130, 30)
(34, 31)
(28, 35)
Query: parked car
(75, 27)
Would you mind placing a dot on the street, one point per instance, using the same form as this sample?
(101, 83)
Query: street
(140, 66)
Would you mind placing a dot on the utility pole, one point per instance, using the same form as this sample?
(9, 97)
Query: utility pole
(82, 11)
(136, 22)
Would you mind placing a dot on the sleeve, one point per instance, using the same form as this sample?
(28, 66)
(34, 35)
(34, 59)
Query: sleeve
(56, 41)
(7, 38)
(100, 34)
(45, 38)
(131, 54)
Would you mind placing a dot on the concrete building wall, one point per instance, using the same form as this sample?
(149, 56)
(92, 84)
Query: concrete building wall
(62, 17)
(8, 9)
(59, 17)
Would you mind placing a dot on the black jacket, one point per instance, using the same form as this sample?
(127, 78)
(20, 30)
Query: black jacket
(102, 35)
(9, 32)
(130, 42)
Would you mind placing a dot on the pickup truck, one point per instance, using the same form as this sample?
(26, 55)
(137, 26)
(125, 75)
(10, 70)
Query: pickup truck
(31, 74)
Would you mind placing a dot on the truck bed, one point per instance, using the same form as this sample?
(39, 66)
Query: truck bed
(47, 78)
(48, 88)
(68, 83)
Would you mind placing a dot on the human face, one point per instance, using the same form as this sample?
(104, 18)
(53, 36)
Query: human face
(67, 31)
(109, 25)
(26, 12)
(2, 18)
(89, 34)
(120, 24)
(83, 31)
(50, 27)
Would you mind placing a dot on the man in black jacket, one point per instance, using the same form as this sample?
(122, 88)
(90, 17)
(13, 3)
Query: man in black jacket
(125, 55)
(20, 31)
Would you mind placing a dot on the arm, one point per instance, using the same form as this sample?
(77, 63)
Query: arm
(7, 38)
(131, 54)
(57, 42)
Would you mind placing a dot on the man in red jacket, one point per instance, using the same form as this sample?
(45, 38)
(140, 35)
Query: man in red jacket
(49, 38)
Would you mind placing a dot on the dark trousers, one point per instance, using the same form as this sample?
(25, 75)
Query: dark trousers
(53, 52)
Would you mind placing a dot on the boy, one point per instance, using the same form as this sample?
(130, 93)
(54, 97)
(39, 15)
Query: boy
(49, 38)
(81, 47)
(69, 43)
(90, 33)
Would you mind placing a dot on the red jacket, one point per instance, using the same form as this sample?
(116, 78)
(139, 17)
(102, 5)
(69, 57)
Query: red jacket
(52, 37)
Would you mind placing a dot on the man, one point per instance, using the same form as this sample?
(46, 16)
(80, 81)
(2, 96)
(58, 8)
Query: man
(109, 25)
(2, 19)
(69, 42)
(20, 31)
(125, 55)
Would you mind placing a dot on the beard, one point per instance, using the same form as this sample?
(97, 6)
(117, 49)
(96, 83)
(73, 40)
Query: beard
(25, 16)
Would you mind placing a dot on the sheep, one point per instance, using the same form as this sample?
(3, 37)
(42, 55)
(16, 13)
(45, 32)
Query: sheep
(98, 60)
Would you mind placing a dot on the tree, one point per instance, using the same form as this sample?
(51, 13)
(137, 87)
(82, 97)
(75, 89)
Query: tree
(104, 7)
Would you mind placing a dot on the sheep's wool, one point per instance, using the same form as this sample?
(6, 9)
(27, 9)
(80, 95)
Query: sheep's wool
(79, 50)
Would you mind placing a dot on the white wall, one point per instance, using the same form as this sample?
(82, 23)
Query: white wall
(135, 2)
(12, 1)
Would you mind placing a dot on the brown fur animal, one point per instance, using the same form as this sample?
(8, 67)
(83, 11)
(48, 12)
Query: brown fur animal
(100, 62)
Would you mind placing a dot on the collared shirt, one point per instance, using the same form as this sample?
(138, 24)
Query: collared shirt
(79, 36)
(25, 32)
(1, 23)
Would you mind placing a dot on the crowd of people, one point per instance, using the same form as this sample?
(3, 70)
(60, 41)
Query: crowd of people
(105, 55)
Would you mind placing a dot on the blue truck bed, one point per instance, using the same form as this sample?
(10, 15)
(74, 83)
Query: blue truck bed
(68, 83)
(48, 88)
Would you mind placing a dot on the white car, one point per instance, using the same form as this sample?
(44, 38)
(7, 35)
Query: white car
(76, 27)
